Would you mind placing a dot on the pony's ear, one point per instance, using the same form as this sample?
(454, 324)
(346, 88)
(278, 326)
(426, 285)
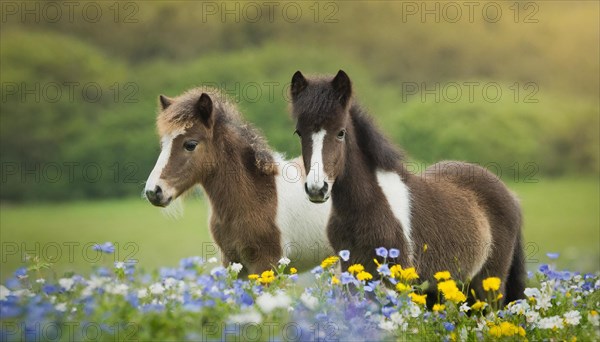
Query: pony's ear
(299, 83)
(204, 109)
(342, 86)
(164, 101)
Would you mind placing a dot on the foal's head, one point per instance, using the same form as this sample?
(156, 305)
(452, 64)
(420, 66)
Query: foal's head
(186, 128)
(321, 108)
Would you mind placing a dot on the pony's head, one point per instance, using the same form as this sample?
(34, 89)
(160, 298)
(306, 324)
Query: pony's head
(186, 126)
(321, 109)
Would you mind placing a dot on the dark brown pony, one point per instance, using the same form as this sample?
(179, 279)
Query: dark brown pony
(455, 216)
(259, 213)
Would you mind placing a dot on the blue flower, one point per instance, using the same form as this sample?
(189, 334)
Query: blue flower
(21, 272)
(106, 247)
(394, 252)
(345, 254)
(317, 270)
(552, 256)
(384, 269)
(347, 278)
(388, 310)
(49, 289)
(382, 252)
(448, 326)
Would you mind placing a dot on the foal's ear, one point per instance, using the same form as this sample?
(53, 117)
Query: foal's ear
(164, 101)
(343, 87)
(299, 83)
(204, 109)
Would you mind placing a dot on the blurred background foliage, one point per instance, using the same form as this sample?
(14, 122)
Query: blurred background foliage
(59, 153)
(176, 45)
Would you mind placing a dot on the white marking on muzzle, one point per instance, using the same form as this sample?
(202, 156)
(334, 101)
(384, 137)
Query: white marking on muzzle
(315, 180)
(161, 163)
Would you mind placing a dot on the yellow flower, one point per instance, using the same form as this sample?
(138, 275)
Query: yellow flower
(253, 276)
(396, 271)
(356, 268)
(293, 270)
(329, 261)
(491, 284)
(455, 296)
(438, 307)
(376, 262)
(447, 286)
(364, 276)
(509, 329)
(478, 305)
(500, 296)
(521, 331)
(402, 287)
(444, 275)
(334, 280)
(267, 277)
(409, 274)
(418, 299)
(495, 331)
(425, 248)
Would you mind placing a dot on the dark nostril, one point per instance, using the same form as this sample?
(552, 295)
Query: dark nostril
(325, 188)
(149, 194)
(158, 191)
(306, 187)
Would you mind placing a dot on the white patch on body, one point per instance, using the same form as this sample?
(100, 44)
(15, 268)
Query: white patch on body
(316, 176)
(303, 224)
(398, 197)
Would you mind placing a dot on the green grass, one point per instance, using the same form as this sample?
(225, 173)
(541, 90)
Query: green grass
(560, 216)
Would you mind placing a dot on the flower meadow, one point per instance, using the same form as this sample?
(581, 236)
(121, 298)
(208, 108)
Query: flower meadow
(202, 300)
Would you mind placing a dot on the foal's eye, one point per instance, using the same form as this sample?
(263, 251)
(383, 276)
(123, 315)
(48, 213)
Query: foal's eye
(342, 134)
(298, 133)
(190, 145)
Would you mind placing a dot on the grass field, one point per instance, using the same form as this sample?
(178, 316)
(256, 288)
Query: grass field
(560, 216)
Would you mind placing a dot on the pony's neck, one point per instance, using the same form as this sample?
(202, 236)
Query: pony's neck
(367, 151)
(231, 186)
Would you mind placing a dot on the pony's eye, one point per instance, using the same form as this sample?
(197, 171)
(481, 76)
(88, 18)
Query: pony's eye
(190, 145)
(298, 133)
(342, 134)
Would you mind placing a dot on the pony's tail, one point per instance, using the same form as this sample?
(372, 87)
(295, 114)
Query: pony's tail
(515, 283)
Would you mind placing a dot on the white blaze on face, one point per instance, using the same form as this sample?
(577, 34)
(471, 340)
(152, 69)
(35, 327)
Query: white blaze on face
(315, 180)
(161, 163)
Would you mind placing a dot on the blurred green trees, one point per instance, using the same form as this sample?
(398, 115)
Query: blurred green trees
(58, 133)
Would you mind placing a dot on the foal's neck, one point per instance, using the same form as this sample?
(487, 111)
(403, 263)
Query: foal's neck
(231, 186)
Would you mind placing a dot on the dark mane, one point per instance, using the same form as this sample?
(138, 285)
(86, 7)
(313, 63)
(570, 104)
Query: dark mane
(228, 120)
(374, 145)
(318, 102)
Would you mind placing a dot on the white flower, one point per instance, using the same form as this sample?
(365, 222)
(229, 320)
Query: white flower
(143, 293)
(236, 267)
(284, 261)
(118, 289)
(170, 282)
(414, 310)
(267, 302)
(387, 325)
(248, 317)
(66, 283)
(4, 292)
(62, 307)
(532, 316)
(464, 307)
(309, 300)
(551, 322)
(157, 289)
(119, 265)
(212, 260)
(398, 319)
(518, 307)
(40, 281)
(572, 317)
(532, 292)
